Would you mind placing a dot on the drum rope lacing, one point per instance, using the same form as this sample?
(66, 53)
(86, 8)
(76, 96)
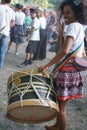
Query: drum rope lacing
(29, 85)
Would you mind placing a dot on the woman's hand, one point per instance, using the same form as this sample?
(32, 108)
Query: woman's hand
(40, 69)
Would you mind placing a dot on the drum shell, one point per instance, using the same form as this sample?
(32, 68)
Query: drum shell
(27, 107)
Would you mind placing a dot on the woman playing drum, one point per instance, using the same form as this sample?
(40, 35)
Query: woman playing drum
(69, 80)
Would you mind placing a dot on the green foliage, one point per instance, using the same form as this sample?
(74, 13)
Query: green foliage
(14, 1)
(50, 6)
(55, 3)
(25, 1)
(42, 3)
(39, 3)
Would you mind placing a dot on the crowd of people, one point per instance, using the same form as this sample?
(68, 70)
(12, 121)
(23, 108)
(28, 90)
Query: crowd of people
(31, 25)
(39, 28)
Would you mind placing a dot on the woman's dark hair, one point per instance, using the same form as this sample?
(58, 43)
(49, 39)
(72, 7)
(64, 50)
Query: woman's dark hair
(79, 10)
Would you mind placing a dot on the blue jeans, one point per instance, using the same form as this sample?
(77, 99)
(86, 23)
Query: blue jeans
(3, 48)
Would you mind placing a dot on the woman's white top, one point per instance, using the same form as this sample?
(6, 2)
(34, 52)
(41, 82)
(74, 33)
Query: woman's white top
(77, 32)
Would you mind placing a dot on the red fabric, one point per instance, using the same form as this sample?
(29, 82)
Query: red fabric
(70, 97)
(68, 68)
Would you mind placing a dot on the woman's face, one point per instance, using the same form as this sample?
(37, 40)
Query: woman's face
(68, 14)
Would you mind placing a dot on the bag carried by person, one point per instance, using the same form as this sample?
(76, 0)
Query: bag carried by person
(80, 63)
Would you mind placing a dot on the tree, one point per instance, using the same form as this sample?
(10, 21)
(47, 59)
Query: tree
(42, 3)
(55, 3)
(14, 1)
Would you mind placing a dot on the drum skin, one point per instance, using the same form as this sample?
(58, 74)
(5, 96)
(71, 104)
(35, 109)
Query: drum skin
(31, 97)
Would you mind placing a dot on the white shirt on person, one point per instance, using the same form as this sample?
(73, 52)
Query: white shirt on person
(77, 32)
(35, 36)
(42, 22)
(19, 18)
(6, 15)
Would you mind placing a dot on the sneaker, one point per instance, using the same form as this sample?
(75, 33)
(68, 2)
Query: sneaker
(30, 61)
(16, 53)
(25, 63)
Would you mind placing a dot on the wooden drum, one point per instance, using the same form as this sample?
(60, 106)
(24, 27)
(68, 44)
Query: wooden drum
(31, 97)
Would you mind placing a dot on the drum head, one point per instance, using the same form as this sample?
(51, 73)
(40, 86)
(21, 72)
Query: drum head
(33, 113)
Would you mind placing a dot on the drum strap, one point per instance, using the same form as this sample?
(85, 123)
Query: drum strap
(58, 66)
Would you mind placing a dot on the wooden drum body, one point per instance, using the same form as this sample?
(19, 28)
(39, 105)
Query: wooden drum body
(31, 97)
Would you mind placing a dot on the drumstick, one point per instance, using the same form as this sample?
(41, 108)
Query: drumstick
(44, 72)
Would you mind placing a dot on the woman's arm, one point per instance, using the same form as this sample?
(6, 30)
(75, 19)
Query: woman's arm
(61, 54)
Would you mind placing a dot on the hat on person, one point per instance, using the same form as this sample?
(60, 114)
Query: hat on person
(32, 10)
(18, 6)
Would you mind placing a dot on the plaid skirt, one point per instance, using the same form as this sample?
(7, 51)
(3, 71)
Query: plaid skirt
(69, 83)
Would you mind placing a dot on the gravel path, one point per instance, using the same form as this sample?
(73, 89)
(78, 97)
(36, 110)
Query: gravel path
(76, 110)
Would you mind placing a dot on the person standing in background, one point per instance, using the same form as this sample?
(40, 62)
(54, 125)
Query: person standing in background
(41, 50)
(27, 23)
(51, 21)
(18, 30)
(34, 39)
(43, 37)
(7, 20)
(53, 40)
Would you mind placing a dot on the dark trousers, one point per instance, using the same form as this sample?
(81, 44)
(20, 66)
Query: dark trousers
(41, 50)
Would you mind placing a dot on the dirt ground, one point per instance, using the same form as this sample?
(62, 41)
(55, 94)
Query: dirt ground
(76, 109)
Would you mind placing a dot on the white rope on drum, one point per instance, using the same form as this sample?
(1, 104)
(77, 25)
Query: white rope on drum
(30, 84)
